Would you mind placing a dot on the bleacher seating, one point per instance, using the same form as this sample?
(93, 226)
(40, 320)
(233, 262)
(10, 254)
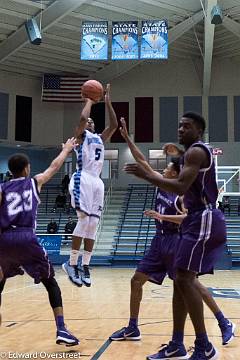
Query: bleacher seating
(135, 231)
(234, 202)
(233, 238)
(46, 213)
(233, 229)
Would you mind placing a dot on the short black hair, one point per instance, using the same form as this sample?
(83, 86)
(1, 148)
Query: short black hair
(197, 118)
(176, 163)
(17, 163)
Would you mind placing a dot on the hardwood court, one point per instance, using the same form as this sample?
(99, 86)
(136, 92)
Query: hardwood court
(94, 313)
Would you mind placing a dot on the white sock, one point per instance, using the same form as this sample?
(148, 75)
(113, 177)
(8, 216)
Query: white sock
(86, 257)
(74, 254)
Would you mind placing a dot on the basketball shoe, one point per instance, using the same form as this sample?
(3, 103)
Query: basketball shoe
(85, 275)
(73, 273)
(204, 352)
(172, 351)
(227, 329)
(126, 333)
(64, 337)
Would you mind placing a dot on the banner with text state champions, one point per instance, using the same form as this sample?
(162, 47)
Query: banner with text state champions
(125, 40)
(94, 45)
(154, 39)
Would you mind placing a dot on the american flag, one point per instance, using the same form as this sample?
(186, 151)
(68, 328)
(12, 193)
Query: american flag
(62, 88)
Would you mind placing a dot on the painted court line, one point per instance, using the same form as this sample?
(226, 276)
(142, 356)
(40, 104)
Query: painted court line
(18, 289)
(101, 350)
(12, 324)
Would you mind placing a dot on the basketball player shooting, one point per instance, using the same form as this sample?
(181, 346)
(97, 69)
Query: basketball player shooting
(87, 189)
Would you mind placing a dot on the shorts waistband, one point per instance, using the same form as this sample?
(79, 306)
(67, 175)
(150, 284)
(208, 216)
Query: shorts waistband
(166, 232)
(201, 208)
(17, 229)
(79, 172)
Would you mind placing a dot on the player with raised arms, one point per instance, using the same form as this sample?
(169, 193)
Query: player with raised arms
(87, 188)
(160, 258)
(19, 247)
(203, 235)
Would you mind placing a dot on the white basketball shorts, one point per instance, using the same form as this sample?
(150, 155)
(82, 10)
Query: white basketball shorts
(87, 193)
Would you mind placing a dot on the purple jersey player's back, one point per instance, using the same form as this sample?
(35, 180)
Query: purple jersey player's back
(203, 192)
(19, 203)
(166, 204)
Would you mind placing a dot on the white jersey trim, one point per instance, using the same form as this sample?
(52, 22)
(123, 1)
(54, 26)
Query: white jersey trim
(35, 191)
(204, 235)
(209, 152)
(175, 204)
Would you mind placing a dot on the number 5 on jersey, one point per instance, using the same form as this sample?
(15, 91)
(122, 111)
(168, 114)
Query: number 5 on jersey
(97, 153)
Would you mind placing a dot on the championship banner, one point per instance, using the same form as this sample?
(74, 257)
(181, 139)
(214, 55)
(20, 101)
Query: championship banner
(94, 44)
(125, 40)
(154, 39)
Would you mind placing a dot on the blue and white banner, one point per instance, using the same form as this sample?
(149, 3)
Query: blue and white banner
(94, 44)
(125, 40)
(154, 39)
(51, 243)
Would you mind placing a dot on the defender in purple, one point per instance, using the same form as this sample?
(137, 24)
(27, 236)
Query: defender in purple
(202, 240)
(19, 247)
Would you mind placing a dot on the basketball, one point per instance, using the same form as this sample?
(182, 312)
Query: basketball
(92, 89)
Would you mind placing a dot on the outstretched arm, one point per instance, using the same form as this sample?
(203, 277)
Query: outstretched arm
(113, 124)
(136, 152)
(56, 163)
(194, 160)
(85, 114)
(177, 219)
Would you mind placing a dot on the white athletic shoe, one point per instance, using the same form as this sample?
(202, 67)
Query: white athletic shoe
(85, 276)
(73, 273)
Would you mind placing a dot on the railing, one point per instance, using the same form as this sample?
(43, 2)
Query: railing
(233, 172)
(147, 193)
(122, 218)
(143, 226)
(150, 223)
(46, 204)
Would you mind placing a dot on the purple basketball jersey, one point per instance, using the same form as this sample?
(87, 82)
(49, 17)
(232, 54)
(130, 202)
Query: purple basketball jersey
(203, 192)
(203, 231)
(166, 204)
(19, 204)
(159, 260)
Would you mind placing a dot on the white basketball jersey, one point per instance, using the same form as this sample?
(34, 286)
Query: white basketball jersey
(90, 154)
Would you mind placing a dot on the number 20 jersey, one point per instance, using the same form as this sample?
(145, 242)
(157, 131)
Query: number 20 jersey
(19, 203)
(90, 154)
